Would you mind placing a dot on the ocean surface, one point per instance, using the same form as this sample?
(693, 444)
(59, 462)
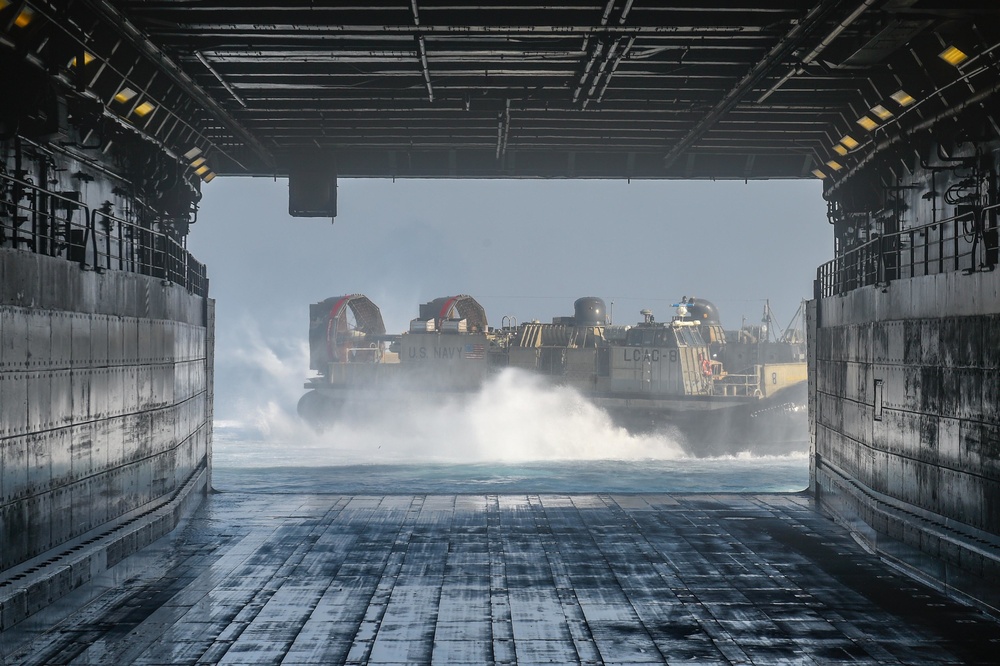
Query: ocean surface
(246, 460)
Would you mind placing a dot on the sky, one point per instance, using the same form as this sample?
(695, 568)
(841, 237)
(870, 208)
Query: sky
(525, 248)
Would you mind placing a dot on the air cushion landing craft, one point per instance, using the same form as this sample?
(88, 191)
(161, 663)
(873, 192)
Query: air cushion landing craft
(719, 391)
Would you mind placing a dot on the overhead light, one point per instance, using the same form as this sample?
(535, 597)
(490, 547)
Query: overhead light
(208, 176)
(902, 98)
(849, 142)
(839, 149)
(953, 56)
(881, 112)
(835, 165)
(124, 95)
(202, 169)
(198, 162)
(87, 59)
(867, 123)
(144, 109)
(25, 17)
(193, 153)
(819, 174)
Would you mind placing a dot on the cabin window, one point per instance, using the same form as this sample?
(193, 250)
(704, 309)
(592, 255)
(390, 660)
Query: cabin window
(686, 338)
(648, 337)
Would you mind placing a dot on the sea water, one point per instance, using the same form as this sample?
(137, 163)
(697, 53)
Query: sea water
(787, 473)
(516, 435)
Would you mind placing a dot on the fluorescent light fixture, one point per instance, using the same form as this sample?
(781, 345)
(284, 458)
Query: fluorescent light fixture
(902, 98)
(953, 56)
(819, 174)
(849, 142)
(835, 165)
(144, 109)
(193, 153)
(198, 162)
(208, 176)
(881, 112)
(867, 123)
(24, 18)
(202, 169)
(124, 95)
(840, 149)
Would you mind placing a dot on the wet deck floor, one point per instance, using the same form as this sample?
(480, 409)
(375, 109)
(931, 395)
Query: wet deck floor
(614, 579)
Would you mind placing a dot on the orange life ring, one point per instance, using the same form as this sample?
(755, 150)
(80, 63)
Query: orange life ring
(706, 367)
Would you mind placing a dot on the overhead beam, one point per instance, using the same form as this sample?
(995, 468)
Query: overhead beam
(819, 48)
(225, 84)
(311, 32)
(107, 12)
(778, 54)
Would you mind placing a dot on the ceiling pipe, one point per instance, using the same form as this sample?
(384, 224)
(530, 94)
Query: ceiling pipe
(778, 53)
(614, 67)
(422, 52)
(596, 52)
(843, 25)
(225, 84)
(610, 59)
(825, 42)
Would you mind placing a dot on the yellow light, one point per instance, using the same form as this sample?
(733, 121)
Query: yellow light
(202, 169)
(867, 123)
(835, 165)
(849, 142)
(208, 176)
(881, 112)
(819, 174)
(193, 153)
(953, 56)
(124, 95)
(24, 18)
(902, 98)
(144, 109)
(87, 59)
(198, 162)
(839, 149)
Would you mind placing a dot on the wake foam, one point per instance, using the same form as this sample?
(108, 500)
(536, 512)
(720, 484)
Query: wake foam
(514, 417)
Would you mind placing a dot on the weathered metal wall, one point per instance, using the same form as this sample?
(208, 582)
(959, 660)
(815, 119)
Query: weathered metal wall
(105, 403)
(906, 409)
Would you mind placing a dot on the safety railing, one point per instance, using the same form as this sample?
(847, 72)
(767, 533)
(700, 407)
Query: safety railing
(737, 385)
(60, 225)
(963, 242)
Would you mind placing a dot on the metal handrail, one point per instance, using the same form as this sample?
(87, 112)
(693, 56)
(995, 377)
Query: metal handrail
(935, 247)
(96, 239)
(737, 385)
(48, 233)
